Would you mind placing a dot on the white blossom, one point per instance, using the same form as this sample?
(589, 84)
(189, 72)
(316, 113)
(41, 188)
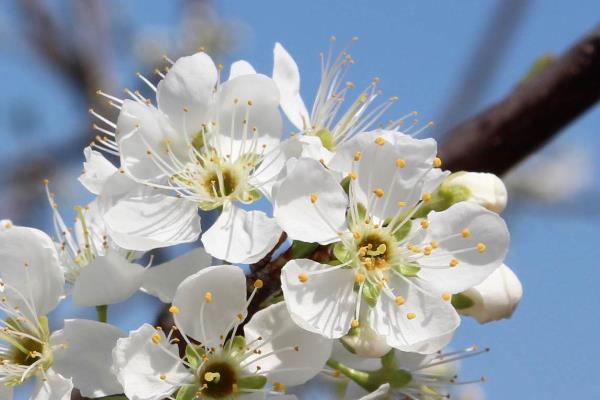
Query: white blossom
(208, 307)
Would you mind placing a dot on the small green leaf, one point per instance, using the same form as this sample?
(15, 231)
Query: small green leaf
(252, 382)
(401, 233)
(461, 301)
(238, 345)
(362, 215)
(410, 270)
(341, 252)
(371, 294)
(303, 249)
(187, 392)
(192, 356)
(345, 184)
(389, 360)
(326, 137)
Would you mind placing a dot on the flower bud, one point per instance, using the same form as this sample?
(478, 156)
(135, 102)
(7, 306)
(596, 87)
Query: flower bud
(365, 342)
(495, 298)
(483, 188)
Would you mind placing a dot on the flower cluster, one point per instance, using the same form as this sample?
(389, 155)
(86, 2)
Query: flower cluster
(363, 250)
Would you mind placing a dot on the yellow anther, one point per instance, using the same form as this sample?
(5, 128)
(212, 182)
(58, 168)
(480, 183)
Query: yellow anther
(45, 181)
(174, 310)
(162, 377)
(359, 278)
(278, 387)
(427, 251)
(156, 338)
(355, 323)
(426, 196)
(356, 235)
(437, 162)
(446, 296)
(466, 233)
(380, 141)
(411, 315)
(399, 300)
(378, 192)
(400, 163)
(258, 284)
(454, 262)
(357, 156)
(208, 296)
(303, 277)
(434, 244)
(240, 316)
(481, 247)
(401, 204)
(424, 224)
(313, 198)
(352, 175)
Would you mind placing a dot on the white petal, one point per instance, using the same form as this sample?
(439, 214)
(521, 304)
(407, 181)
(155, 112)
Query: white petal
(236, 137)
(294, 210)
(142, 135)
(54, 387)
(418, 153)
(109, 279)
(287, 78)
(30, 266)
(378, 169)
(206, 321)
(96, 170)
(485, 227)
(6, 393)
(432, 322)
(188, 84)
(83, 352)
(278, 331)
(152, 220)
(239, 68)
(162, 281)
(325, 303)
(138, 363)
(355, 392)
(240, 236)
(267, 172)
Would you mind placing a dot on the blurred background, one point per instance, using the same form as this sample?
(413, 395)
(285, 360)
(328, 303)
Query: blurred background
(446, 60)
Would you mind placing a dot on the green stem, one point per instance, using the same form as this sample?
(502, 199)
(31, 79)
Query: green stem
(102, 312)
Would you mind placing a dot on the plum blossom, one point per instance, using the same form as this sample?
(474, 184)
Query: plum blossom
(208, 308)
(211, 143)
(31, 286)
(100, 272)
(403, 267)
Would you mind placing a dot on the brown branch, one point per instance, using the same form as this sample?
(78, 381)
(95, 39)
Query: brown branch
(536, 110)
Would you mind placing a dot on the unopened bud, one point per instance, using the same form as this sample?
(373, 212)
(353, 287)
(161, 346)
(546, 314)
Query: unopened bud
(482, 188)
(495, 298)
(365, 342)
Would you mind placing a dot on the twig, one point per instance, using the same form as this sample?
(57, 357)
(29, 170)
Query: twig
(537, 109)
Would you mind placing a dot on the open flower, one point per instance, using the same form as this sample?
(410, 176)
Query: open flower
(31, 285)
(210, 143)
(208, 308)
(405, 268)
(327, 121)
(401, 374)
(101, 272)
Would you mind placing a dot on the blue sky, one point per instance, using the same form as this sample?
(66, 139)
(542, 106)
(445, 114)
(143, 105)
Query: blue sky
(418, 49)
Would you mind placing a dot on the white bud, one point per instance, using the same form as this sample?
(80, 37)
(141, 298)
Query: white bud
(496, 297)
(5, 224)
(484, 188)
(367, 343)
